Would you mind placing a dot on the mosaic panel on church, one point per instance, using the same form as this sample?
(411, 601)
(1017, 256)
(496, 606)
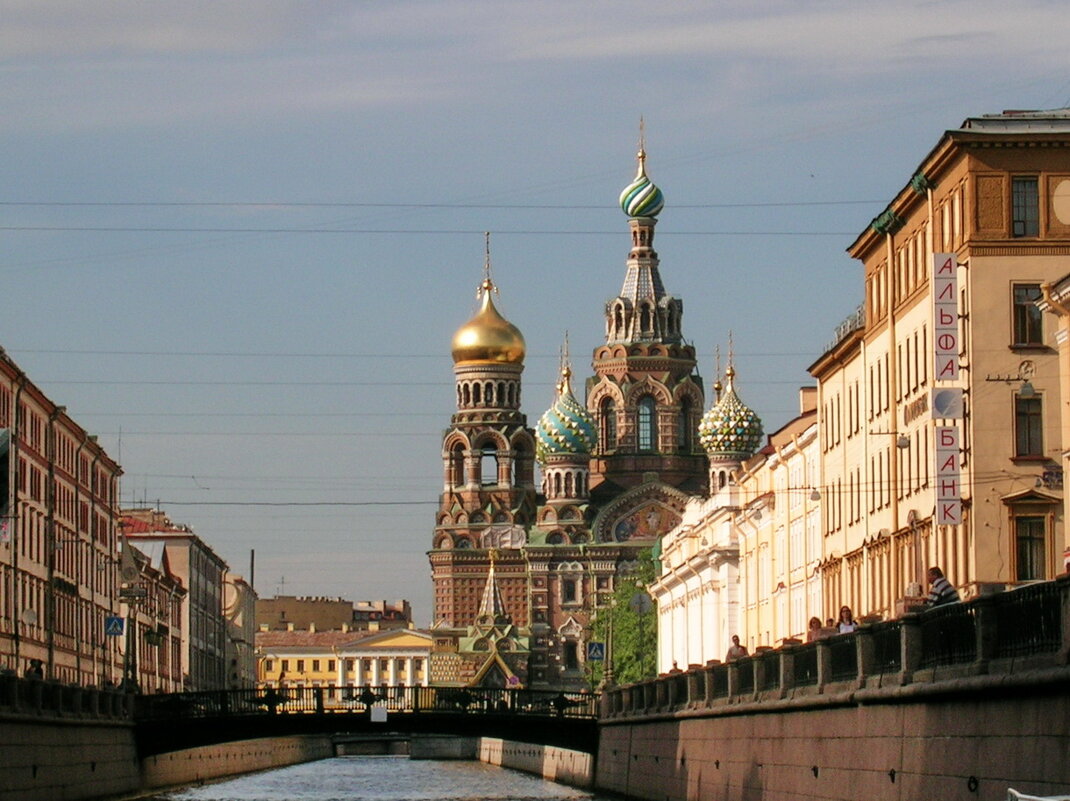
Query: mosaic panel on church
(647, 522)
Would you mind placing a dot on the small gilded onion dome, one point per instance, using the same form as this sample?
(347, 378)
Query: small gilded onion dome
(642, 198)
(566, 427)
(730, 428)
(488, 337)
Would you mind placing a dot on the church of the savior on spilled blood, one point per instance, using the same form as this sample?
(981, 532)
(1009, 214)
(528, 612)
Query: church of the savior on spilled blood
(519, 568)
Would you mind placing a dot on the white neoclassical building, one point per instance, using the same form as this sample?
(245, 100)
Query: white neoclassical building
(343, 660)
(744, 561)
(697, 590)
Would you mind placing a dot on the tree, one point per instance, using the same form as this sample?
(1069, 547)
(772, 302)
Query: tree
(633, 642)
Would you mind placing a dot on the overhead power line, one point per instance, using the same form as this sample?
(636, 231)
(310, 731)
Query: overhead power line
(295, 503)
(113, 229)
(345, 205)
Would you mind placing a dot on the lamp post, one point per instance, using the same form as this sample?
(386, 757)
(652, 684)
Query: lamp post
(607, 670)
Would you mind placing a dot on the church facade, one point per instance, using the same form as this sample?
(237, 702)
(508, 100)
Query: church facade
(520, 568)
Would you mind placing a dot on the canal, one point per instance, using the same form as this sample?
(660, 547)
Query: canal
(382, 778)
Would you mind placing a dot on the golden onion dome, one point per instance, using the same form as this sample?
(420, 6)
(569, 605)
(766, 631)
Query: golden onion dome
(488, 337)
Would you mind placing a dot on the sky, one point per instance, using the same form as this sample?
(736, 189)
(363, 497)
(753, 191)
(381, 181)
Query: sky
(236, 238)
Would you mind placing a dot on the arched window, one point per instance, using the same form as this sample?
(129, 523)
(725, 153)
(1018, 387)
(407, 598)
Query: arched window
(684, 435)
(608, 418)
(568, 486)
(475, 393)
(457, 465)
(488, 464)
(645, 424)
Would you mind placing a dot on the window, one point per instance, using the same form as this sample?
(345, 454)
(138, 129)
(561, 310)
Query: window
(568, 591)
(488, 465)
(683, 436)
(268, 665)
(572, 659)
(1025, 220)
(1028, 427)
(1027, 317)
(609, 424)
(1030, 534)
(285, 665)
(315, 666)
(647, 435)
(300, 665)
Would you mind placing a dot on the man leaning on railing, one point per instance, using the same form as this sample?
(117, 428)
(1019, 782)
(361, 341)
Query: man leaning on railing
(940, 589)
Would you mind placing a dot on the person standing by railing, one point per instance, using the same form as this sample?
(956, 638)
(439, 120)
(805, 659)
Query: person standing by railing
(847, 623)
(940, 589)
(735, 651)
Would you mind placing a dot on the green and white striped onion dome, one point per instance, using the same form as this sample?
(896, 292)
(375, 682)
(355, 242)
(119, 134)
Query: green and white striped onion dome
(730, 427)
(566, 427)
(642, 198)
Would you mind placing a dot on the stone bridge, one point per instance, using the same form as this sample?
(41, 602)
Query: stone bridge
(184, 720)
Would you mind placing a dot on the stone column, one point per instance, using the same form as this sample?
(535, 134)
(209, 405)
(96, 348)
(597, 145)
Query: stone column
(865, 654)
(376, 678)
(787, 670)
(471, 469)
(1063, 583)
(985, 630)
(393, 672)
(910, 645)
(824, 663)
(410, 671)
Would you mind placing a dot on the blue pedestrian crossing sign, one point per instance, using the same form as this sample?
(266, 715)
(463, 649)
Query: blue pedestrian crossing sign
(596, 651)
(113, 626)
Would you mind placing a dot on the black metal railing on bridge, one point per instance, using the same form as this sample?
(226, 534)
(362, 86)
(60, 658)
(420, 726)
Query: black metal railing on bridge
(1021, 629)
(355, 699)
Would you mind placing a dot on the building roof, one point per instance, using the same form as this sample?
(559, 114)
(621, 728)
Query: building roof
(1024, 121)
(329, 639)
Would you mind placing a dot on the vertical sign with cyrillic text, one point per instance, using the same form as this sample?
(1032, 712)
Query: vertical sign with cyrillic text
(946, 343)
(948, 477)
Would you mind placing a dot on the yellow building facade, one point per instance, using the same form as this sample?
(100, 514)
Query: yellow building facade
(989, 195)
(341, 660)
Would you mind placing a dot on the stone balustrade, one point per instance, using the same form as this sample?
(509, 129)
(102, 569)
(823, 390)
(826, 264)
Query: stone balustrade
(51, 699)
(1010, 633)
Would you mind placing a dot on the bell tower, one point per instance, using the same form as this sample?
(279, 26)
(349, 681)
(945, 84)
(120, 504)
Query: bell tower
(645, 397)
(488, 453)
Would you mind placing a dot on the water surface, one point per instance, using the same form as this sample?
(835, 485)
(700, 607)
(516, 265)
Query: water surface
(386, 778)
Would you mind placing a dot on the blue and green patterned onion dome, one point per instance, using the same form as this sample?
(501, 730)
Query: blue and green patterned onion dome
(730, 428)
(641, 198)
(566, 427)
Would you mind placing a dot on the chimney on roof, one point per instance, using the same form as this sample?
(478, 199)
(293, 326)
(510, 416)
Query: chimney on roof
(312, 627)
(289, 626)
(345, 627)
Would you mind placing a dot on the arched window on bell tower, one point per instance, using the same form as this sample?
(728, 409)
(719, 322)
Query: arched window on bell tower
(607, 417)
(488, 465)
(646, 428)
(457, 465)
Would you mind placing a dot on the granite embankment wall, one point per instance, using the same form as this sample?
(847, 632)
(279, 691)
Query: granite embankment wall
(65, 743)
(958, 703)
(561, 765)
(231, 759)
(971, 745)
